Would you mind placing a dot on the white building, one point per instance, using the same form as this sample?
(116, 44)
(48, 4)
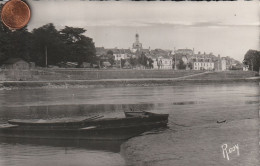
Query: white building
(203, 65)
(223, 64)
(162, 63)
(119, 56)
(246, 67)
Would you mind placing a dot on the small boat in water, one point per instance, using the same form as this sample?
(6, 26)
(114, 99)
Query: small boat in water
(91, 128)
(143, 114)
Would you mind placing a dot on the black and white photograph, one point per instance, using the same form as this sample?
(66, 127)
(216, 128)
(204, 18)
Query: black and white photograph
(127, 83)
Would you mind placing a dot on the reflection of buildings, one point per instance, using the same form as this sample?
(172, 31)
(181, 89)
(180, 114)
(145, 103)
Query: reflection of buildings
(137, 46)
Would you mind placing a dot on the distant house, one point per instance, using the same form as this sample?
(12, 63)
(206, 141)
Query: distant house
(203, 61)
(162, 63)
(106, 64)
(16, 63)
(246, 67)
(203, 65)
(85, 65)
(121, 54)
(220, 63)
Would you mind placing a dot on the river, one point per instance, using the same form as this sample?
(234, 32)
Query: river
(193, 137)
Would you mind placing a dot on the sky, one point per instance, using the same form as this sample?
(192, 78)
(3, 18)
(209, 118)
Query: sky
(225, 28)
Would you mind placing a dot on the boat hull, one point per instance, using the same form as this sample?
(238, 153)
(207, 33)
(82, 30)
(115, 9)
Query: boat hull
(84, 133)
(98, 129)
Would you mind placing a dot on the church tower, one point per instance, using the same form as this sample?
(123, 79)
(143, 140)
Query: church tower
(137, 38)
(137, 46)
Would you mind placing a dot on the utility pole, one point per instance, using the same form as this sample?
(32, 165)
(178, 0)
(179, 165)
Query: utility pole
(120, 59)
(252, 65)
(46, 57)
(175, 67)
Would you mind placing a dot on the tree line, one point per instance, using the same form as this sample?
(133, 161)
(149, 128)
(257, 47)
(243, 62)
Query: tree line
(252, 59)
(67, 44)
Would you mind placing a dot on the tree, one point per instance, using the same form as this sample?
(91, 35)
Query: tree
(68, 44)
(181, 65)
(110, 52)
(143, 60)
(252, 58)
(133, 61)
(79, 48)
(46, 39)
(111, 58)
(190, 65)
(123, 61)
(150, 63)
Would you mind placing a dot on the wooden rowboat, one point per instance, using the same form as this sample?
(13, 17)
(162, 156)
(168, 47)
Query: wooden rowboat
(91, 128)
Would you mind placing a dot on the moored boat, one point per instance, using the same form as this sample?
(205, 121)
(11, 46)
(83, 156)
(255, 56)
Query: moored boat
(144, 114)
(92, 128)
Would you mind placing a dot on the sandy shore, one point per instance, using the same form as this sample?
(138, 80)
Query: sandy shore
(198, 145)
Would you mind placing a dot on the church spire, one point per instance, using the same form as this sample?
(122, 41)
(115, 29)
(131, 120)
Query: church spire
(137, 38)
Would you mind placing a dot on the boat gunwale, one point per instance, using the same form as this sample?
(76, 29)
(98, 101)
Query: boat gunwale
(24, 123)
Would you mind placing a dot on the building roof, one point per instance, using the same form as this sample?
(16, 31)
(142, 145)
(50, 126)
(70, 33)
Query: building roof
(121, 51)
(179, 56)
(145, 50)
(204, 56)
(159, 53)
(184, 51)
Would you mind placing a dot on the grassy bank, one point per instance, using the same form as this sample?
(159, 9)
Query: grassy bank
(88, 74)
(121, 82)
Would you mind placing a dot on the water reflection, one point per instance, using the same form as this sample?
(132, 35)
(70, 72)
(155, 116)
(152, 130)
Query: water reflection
(42, 152)
(194, 112)
(69, 110)
(109, 146)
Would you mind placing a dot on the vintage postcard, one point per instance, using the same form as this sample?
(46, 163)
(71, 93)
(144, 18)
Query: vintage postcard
(129, 83)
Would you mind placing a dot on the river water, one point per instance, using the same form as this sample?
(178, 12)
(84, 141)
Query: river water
(193, 136)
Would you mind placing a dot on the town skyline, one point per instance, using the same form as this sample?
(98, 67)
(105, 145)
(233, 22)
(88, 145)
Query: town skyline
(225, 28)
